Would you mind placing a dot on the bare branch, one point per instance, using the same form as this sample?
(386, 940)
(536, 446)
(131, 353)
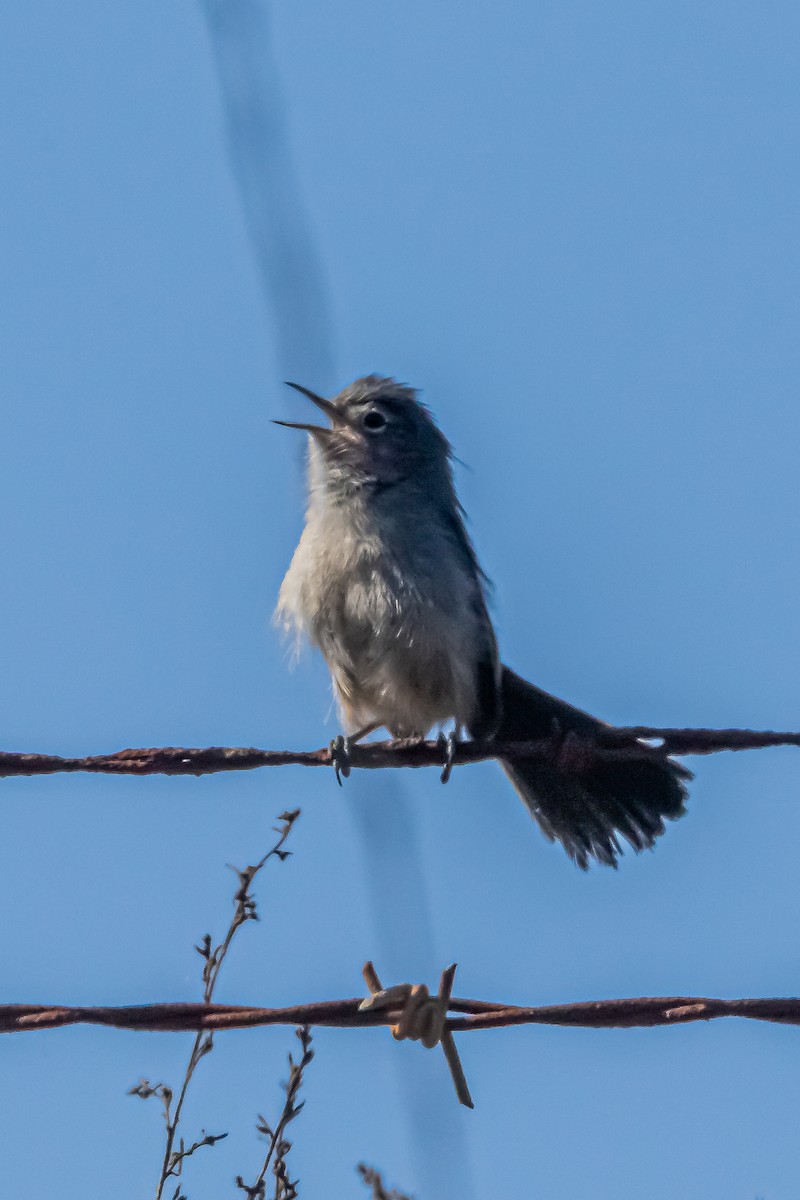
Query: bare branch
(374, 1180)
(285, 1188)
(213, 958)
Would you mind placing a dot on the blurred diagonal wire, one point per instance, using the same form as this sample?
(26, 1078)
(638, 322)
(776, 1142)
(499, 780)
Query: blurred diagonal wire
(293, 282)
(289, 266)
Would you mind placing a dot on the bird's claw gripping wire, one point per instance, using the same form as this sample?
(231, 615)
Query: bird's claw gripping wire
(421, 1017)
(449, 746)
(340, 757)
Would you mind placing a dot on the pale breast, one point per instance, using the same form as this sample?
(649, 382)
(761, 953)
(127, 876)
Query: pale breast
(401, 626)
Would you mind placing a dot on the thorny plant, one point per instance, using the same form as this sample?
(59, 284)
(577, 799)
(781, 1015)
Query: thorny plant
(245, 909)
(372, 1179)
(277, 1145)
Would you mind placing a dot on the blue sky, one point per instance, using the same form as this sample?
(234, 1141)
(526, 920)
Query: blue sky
(574, 227)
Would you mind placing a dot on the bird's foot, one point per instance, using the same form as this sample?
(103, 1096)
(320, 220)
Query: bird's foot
(340, 757)
(449, 744)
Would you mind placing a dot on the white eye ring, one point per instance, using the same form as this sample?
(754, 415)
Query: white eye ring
(374, 421)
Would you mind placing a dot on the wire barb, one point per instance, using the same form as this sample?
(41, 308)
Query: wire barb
(421, 1018)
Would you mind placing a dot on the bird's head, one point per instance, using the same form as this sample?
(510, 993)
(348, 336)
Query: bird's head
(378, 433)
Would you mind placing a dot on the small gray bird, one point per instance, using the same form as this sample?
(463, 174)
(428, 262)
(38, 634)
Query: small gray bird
(385, 581)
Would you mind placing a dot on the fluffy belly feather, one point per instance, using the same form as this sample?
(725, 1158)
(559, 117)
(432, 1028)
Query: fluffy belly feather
(401, 623)
(407, 688)
(405, 662)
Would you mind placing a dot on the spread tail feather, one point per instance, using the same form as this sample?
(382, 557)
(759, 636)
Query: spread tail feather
(589, 807)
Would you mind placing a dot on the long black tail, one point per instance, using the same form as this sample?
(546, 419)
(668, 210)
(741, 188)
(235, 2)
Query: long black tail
(588, 806)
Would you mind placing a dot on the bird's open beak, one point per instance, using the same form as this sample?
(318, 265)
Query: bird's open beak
(331, 412)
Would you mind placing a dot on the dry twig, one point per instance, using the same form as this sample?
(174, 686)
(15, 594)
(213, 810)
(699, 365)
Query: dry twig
(213, 958)
(285, 1189)
(372, 1179)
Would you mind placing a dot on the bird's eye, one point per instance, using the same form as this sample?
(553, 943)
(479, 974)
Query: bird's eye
(374, 420)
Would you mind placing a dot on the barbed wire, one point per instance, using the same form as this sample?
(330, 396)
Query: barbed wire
(644, 1011)
(614, 743)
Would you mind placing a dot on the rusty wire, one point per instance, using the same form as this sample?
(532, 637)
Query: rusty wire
(611, 743)
(645, 1011)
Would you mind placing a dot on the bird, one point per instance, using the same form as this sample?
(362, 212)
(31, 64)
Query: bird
(386, 583)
